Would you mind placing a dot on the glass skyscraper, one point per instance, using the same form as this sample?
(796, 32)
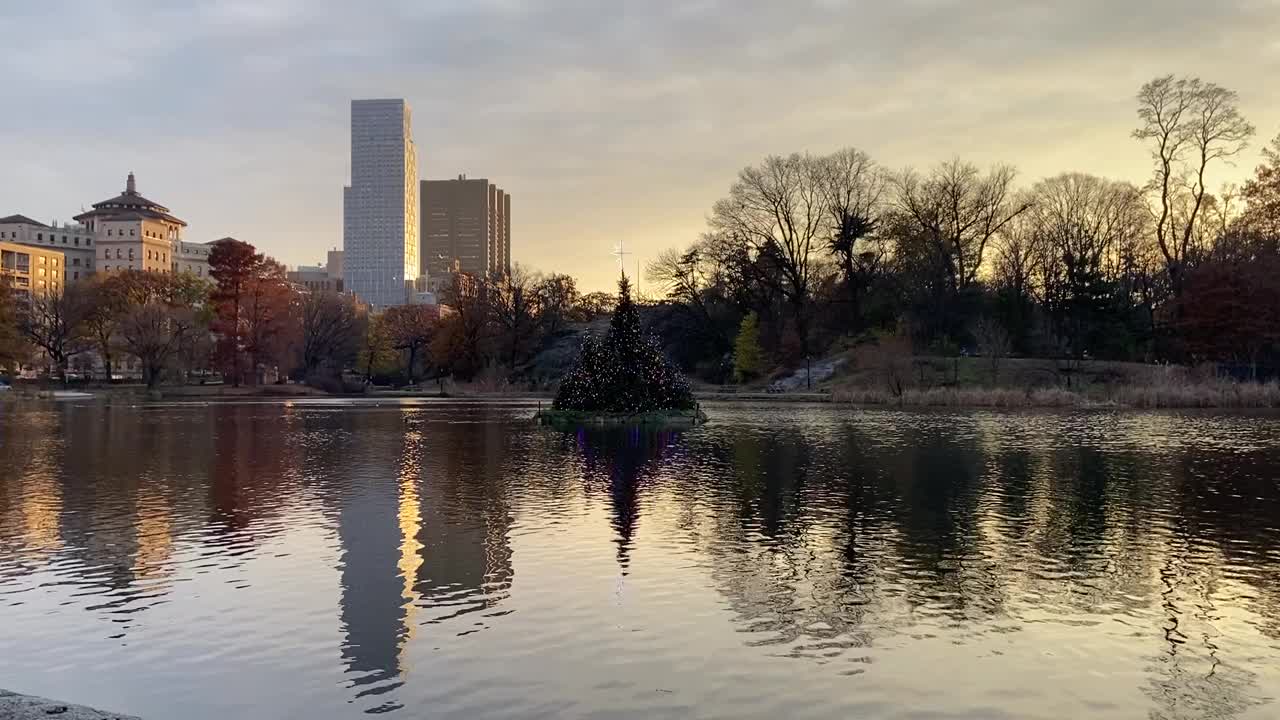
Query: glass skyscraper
(380, 206)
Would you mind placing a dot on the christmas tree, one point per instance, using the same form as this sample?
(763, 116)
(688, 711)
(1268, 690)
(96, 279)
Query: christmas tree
(625, 372)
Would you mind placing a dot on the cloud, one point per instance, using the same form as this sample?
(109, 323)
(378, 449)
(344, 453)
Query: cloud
(603, 119)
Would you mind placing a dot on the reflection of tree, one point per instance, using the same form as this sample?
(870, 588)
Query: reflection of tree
(934, 528)
(619, 461)
(466, 554)
(253, 458)
(1209, 552)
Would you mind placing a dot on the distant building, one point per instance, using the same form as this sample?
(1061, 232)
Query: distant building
(315, 278)
(320, 278)
(32, 270)
(192, 258)
(380, 207)
(133, 233)
(467, 221)
(75, 242)
(334, 264)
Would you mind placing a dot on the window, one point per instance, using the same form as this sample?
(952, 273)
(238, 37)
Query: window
(131, 233)
(75, 262)
(77, 275)
(64, 239)
(43, 260)
(130, 253)
(118, 256)
(88, 241)
(108, 232)
(77, 241)
(39, 237)
(106, 268)
(40, 272)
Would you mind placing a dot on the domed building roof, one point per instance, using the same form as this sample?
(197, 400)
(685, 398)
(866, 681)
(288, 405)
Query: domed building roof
(129, 205)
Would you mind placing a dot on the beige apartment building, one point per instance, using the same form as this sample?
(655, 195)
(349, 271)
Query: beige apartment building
(32, 270)
(75, 242)
(466, 223)
(133, 233)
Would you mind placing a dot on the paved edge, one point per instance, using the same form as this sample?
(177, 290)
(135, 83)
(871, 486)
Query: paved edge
(14, 706)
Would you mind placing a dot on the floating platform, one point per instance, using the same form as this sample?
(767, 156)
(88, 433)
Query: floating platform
(662, 419)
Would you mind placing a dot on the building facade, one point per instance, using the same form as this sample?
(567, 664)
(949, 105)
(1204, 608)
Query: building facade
(75, 242)
(334, 263)
(192, 258)
(134, 233)
(466, 224)
(32, 270)
(380, 206)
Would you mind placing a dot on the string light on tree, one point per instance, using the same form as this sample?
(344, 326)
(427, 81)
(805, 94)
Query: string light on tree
(626, 372)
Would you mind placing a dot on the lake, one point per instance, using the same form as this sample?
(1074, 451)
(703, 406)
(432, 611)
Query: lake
(451, 560)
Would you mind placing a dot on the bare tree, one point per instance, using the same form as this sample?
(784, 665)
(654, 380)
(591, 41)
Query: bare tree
(1018, 256)
(855, 189)
(156, 334)
(515, 311)
(956, 210)
(54, 323)
(1083, 226)
(330, 332)
(993, 343)
(411, 329)
(556, 296)
(1262, 194)
(108, 305)
(1188, 124)
(685, 278)
(778, 211)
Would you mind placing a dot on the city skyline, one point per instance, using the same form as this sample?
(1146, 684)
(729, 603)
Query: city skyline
(651, 112)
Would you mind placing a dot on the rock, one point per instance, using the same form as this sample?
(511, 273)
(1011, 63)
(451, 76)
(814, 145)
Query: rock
(796, 381)
(14, 706)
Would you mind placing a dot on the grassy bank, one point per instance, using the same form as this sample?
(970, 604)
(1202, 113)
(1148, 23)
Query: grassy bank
(1227, 395)
(972, 382)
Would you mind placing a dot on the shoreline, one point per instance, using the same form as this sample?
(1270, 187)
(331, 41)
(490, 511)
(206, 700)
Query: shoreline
(1208, 396)
(16, 706)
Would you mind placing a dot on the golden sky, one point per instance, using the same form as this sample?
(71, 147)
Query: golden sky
(604, 120)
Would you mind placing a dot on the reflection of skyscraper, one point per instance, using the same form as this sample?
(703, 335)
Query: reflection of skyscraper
(372, 602)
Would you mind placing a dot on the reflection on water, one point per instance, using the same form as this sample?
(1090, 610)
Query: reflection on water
(322, 560)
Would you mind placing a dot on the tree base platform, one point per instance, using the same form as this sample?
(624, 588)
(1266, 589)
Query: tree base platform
(660, 419)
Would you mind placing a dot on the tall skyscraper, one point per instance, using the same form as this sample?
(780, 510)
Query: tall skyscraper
(380, 207)
(468, 221)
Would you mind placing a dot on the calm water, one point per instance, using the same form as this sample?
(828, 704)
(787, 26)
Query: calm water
(452, 561)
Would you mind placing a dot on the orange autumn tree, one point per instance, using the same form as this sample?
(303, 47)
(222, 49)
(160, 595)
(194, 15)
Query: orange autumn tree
(253, 306)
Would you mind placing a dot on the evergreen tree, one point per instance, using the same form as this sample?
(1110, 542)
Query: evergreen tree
(625, 372)
(747, 357)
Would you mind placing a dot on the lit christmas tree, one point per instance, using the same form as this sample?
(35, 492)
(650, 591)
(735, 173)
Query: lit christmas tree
(626, 372)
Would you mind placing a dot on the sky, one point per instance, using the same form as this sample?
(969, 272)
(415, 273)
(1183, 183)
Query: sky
(607, 121)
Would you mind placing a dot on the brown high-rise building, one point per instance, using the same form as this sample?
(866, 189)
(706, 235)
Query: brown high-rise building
(468, 221)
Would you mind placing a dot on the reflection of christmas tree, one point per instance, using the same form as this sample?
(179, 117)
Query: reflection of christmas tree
(625, 372)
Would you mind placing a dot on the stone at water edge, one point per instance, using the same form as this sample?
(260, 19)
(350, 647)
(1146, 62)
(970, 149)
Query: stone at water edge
(14, 706)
